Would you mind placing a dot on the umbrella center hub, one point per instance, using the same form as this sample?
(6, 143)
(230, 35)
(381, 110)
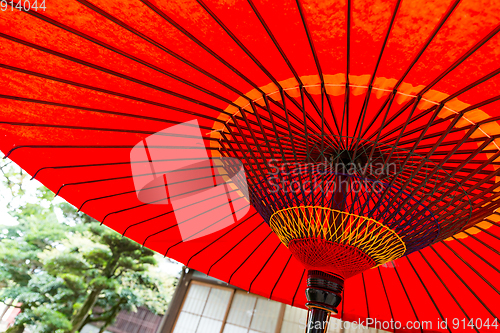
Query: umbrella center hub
(335, 241)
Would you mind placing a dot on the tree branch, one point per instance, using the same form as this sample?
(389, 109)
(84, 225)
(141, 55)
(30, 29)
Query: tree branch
(93, 320)
(13, 306)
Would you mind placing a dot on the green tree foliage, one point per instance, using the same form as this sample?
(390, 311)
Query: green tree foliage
(46, 304)
(103, 260)
(65, 270)
(45, 300)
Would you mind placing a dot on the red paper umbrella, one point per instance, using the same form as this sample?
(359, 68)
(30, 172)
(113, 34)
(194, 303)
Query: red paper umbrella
(364, 136)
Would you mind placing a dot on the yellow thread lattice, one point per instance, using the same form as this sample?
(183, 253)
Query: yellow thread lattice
(368, 235)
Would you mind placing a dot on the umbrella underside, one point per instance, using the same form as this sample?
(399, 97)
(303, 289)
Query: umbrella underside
(368, 137)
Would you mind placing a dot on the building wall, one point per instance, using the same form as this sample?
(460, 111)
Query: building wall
(8, 315)
(142, 321)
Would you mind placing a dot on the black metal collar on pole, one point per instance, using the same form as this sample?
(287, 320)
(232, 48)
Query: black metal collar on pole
(324, 293)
